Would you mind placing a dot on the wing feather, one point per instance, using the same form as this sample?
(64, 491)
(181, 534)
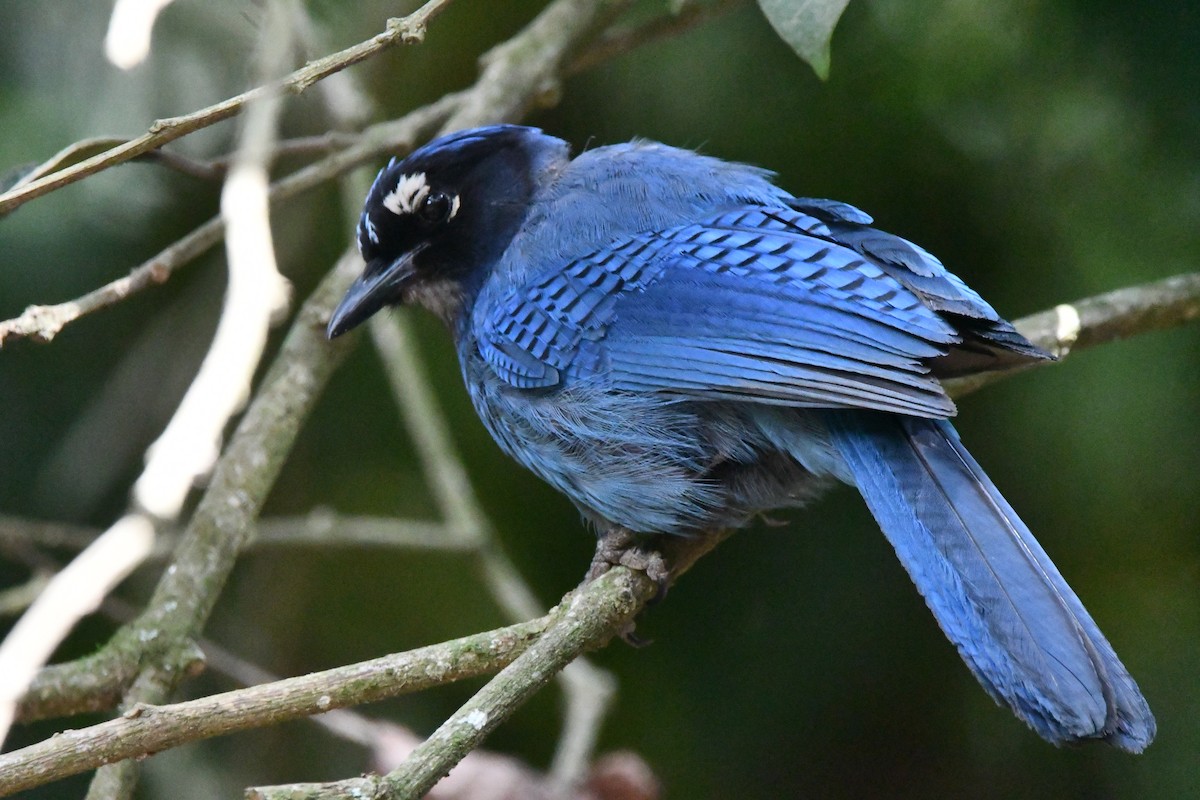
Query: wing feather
(770, 305)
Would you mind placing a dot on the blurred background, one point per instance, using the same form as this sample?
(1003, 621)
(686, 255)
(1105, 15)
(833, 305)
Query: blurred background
(1044, 151)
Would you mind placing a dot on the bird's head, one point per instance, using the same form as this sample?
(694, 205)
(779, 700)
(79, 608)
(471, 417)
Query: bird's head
(435, 222)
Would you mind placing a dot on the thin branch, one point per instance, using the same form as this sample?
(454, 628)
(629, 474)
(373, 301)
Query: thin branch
(146, 729)
(595, 612)
(16, 599)
(20, 532)
(215, 169)
(323, 528)
(42, 323)
(1070, 327)
(339, 722)
(320, 527)
(389, 743)
(405, 30)
(589, 693)
(69, 155)
(622, 38)
(585, 620)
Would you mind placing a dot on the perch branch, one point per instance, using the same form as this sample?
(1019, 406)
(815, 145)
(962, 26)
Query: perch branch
(146, 729)
(594, 613)
(585, 620)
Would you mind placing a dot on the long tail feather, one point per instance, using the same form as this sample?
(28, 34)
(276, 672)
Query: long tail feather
(994, 591)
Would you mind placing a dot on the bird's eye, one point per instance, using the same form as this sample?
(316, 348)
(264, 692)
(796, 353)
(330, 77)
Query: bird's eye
(434, 208)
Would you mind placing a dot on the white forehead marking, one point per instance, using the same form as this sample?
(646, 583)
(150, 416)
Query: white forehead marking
(407, 195)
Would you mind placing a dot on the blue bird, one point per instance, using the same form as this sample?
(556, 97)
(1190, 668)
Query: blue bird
(678, 345)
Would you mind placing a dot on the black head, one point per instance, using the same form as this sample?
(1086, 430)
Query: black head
(435, 223)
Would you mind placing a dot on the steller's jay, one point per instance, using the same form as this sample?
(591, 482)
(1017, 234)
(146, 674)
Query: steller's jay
(678, 345)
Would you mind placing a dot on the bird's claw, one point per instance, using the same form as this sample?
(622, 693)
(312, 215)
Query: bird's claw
(620, 547)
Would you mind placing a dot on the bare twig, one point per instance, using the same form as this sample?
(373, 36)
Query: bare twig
(42, 323)
(16, 599)
(324, 528)
(405, 30)
(1119, 314)
(146, 729)
(320, 527)
(622, 38)
(215, 169)
(586, 619)
(20, 532)
(389, 743)
(589, 693)
(69, 155)
(595, 613)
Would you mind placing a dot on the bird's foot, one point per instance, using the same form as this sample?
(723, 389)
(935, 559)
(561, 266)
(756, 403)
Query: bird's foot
(621, 547)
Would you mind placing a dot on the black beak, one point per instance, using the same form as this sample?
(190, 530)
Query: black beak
(378, 286)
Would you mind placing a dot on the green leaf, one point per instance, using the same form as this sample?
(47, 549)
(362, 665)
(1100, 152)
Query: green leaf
(807, 26)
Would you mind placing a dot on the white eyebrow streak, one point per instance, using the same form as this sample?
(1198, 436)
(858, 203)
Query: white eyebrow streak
(409, 192)
(454, 206)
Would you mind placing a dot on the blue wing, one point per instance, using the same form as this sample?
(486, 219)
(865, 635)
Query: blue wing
(802, 306)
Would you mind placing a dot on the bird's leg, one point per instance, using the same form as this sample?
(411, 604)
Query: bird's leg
(617, 546)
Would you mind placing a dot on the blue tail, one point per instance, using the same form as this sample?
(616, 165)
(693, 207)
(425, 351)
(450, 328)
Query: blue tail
(995, 593)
